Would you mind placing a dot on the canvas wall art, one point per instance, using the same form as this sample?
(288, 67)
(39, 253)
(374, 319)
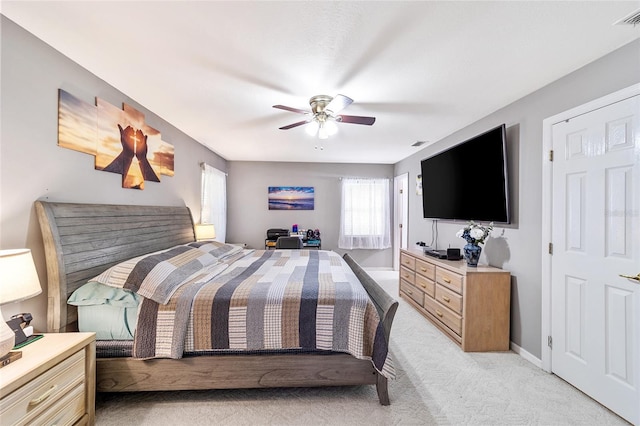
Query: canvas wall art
(119, 139)
(291, 198)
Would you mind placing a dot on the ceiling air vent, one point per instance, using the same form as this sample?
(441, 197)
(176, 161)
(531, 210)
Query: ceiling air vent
(632, 19)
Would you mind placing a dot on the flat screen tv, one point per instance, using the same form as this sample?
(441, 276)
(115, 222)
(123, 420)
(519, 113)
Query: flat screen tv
(468, 181)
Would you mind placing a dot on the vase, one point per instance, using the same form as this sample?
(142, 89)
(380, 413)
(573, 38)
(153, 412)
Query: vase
(472, 254)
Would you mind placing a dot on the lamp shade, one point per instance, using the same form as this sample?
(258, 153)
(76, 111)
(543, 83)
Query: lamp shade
(18, 281)
(18, 276)
(205, 231)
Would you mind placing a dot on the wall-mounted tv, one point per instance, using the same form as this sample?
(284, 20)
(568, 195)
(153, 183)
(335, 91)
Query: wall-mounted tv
(468, 181)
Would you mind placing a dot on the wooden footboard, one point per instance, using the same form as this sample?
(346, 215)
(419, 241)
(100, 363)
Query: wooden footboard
(233, 371)
(386, 306)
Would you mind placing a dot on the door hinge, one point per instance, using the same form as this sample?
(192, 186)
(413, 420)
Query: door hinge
(550, 248)
(550, 155)
(401, 191)
(550, 342)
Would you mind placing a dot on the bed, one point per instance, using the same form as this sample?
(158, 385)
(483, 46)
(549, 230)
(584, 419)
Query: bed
(83, 241)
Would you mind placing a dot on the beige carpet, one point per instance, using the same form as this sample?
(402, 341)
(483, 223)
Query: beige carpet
(436, 384)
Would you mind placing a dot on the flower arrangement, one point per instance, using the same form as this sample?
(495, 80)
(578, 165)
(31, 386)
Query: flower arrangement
(475, 233)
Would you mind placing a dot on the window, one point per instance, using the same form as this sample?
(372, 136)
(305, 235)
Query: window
(213, 205)
(365, 218)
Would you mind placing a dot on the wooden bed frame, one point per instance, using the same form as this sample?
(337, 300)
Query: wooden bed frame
(82, 240)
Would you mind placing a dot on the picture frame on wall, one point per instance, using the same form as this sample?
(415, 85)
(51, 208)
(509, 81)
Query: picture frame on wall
(291, 197)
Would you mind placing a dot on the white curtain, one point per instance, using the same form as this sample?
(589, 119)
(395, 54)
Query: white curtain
(213, 204)
(365, 220)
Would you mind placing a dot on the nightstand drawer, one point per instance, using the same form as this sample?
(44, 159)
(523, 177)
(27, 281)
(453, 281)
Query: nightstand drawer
(35, 398)
(69, 409)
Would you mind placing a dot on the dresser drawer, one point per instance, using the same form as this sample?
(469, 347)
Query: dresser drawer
(407, 275)
(425, 285)
(449, 279)
(412, 292)
(40, 394)
(408, 261)
(425, 269)
(447, 317)
(449, 298)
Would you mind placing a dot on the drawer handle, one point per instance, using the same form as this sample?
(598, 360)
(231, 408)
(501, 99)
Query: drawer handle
(439, 313)
(423, 269)
(446, 299)
(446, 280)
(47, 394)
(407, 275)
(423, 285)
(409, 291)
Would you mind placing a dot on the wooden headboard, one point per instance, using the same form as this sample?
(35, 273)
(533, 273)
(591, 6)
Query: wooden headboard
(83, 240)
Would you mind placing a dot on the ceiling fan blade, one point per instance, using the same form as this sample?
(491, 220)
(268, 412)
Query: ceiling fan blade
(337, 104)
(286, 108)
(356, 119)
(291, 126)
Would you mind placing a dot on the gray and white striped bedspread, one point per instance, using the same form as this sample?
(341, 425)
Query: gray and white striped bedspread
(278, 299)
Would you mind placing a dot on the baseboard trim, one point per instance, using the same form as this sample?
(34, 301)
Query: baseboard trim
(526, 355)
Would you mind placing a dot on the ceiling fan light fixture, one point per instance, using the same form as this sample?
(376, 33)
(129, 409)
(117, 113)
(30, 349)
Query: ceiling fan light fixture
(312, 128)
(322, 132)
(324, 115)
(330, 127)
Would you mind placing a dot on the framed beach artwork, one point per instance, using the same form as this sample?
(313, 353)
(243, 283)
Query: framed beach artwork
(291, 198)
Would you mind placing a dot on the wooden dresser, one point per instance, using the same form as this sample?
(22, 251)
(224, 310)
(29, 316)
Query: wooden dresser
(471, 305)
(53, 383)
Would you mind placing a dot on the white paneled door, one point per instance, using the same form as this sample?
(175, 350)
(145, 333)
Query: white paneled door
(595, 312)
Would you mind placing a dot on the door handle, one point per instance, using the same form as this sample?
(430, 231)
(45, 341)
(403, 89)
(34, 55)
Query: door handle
(631, 277)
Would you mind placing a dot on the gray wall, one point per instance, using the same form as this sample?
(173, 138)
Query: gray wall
(518, 247)
(33, 167)
(249, 216)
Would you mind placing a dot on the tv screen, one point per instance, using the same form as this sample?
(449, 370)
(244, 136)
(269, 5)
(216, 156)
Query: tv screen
(468, 181)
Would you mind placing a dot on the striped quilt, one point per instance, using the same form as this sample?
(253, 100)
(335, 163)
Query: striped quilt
(266, 300)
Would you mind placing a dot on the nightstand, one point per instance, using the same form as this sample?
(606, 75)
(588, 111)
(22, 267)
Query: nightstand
(53, 383)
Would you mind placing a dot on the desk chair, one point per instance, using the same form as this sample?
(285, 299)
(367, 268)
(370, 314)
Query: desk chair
(289, 243)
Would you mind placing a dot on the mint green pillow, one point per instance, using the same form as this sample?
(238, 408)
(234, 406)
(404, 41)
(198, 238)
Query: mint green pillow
(95, 293)
(111, 313)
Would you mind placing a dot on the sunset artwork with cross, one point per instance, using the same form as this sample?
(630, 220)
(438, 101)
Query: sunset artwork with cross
(119, 139)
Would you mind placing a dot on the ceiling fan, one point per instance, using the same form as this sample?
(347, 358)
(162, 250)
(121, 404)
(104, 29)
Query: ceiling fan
(324, 115)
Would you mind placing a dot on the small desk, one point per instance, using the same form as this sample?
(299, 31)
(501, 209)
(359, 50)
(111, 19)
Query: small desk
(306, 243)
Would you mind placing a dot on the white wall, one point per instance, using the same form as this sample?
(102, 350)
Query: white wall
(249, 216)
(518, 247)
(33, 167)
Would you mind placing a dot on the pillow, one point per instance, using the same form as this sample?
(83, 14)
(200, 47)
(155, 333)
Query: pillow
(95, 293)
(108, 322)
(216, 249)
(158, 275)
(111, 313)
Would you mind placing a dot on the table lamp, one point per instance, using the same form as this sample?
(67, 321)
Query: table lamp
(205, 231)
(18, 281)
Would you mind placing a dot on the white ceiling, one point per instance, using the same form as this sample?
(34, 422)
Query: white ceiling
(424, 69)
